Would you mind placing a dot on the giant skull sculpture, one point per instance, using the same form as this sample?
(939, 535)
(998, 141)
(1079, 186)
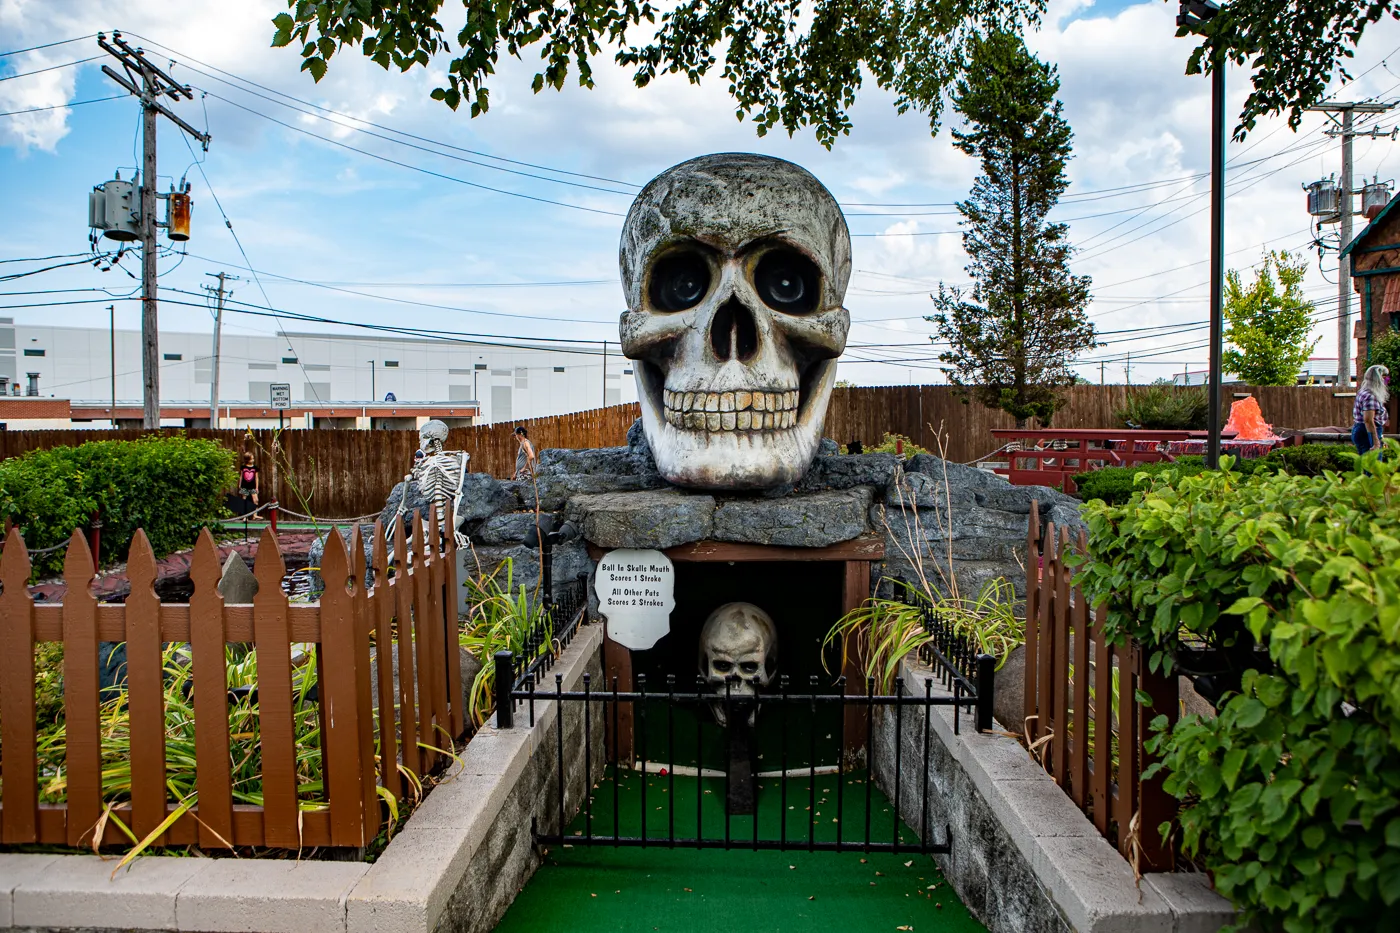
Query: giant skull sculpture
(738, 653)
(734, 268)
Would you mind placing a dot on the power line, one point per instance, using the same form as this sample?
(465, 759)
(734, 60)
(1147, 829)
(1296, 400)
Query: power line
(47, 45)
(71, 103)
(39, 71)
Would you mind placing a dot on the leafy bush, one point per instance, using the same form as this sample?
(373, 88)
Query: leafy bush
(169, 486)
(890, 443)
(1165, 408)
(1310, 459)
(1291, 796)
(1385, 350)
(1115, 485)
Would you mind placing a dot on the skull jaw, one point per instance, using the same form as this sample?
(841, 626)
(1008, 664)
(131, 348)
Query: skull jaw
(736, 459)
(738, 690)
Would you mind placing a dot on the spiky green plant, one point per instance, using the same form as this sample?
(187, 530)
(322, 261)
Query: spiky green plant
(499, 618)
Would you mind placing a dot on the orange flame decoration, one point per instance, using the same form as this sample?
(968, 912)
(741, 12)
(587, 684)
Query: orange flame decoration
(1248, 423)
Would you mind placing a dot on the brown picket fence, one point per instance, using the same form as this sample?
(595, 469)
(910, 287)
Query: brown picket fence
(362, 747)
(1083, 708)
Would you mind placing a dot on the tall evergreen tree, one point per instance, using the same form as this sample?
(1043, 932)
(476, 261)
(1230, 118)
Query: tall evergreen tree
(1013, 335)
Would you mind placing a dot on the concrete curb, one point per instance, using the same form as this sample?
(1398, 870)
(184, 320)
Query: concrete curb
(407, 889)
(1090, 885)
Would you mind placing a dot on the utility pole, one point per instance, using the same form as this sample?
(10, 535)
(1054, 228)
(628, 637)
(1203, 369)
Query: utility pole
(149, 84)
(373, 390)
(218, 334)
(112, 343)
(605, 374)
(1343, 128)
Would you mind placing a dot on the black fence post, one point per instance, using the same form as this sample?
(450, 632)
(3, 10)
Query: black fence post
(986, 690)
(505, 686)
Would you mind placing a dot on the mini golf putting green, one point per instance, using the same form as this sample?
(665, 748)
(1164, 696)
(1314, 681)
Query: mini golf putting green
(684, 890)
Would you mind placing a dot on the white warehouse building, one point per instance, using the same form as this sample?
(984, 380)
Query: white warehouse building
(488, 382)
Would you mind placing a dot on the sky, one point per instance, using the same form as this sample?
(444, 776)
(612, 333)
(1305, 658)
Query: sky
(393, 230)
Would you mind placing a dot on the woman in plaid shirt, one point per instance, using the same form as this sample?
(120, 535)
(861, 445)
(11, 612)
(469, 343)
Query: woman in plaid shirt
(1368, 412)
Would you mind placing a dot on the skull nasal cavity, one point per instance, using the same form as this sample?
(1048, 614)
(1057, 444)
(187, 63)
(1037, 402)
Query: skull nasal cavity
(733, 333)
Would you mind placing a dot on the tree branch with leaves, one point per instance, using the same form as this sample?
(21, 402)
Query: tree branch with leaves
(1269, 323)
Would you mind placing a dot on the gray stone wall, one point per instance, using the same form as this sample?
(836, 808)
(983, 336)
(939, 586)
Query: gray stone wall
(506, 858)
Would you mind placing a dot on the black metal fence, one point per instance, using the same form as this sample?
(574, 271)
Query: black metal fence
(820, 797)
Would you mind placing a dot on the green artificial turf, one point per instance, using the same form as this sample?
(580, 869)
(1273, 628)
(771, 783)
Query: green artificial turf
(601, 888)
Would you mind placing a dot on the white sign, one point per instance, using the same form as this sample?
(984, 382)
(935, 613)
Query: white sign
(636, 590)
(281, 394)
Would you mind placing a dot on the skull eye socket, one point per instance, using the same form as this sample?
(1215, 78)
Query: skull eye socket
(724, 667)
(679, 281)
(788, 282)
(749, 667)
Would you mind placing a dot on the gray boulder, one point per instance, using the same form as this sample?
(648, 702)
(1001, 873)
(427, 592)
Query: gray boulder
(813, 520)
(843, 471)
(659, 519)
(507, 528)
(237, 584)
(563, 474)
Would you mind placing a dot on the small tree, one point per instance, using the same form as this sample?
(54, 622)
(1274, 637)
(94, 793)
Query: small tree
(1269, 323)
(1013, 336)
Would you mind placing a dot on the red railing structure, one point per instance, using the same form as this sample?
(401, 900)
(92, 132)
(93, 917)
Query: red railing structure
(1050, 457)
(371, 735)
(1084, 718)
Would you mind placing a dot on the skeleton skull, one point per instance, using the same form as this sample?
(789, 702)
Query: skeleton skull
(734, 268)
(432, 436)
(738, 653)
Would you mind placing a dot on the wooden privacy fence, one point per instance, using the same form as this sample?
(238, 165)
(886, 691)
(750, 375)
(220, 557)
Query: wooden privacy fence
(344, 473)
(363, 752)
(1083, 714)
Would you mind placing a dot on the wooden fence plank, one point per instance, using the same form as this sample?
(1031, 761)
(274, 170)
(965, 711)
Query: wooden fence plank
(1033, 585)
(1155, 804)
(1046, 655)
(209, 644)
(19, 768)
(1079, 745)
(277, 735)
(436, 620)
(1060, 692)
(452, 655)
(417, 581)
(1103, 721)
(339, 696)
(1127, 745)
(382, 607)
(146, 690)
(403, 623)
(83, 755)
(364, 699)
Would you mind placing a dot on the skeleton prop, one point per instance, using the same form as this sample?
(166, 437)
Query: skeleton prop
(734, 268)
(738, 654)
(439, 477)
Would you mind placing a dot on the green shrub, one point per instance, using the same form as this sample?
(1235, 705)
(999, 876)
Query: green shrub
(169, 486)
(1165, 408)
(1310, 459)
(889, 444)
(1115, 485)
(1291, 796)
(1385, 350)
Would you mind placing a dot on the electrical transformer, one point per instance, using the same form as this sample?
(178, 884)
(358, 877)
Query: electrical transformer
(177, 215)
(114, 207)
(1375, 195)
(1324, 200)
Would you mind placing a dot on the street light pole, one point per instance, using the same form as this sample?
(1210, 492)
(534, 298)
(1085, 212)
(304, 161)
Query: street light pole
(373, 391)
(1194, 14)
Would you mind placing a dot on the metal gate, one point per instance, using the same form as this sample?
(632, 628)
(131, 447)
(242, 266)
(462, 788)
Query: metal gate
(779, 775)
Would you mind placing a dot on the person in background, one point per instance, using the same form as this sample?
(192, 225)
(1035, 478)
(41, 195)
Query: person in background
(525, 456)
(855, 447)
(1368, 412)
(247, 485)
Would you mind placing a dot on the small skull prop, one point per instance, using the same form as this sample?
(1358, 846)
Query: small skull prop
(738, 653)
(734, 268)
(432, 436)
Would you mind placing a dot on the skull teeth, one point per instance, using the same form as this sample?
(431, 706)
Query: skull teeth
(731, 411)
